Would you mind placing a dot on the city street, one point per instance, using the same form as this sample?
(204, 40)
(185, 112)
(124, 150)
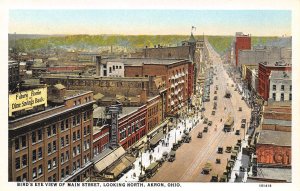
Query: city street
(191, 157)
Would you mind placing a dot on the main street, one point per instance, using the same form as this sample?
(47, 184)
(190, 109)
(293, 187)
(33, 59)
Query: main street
(191, 157)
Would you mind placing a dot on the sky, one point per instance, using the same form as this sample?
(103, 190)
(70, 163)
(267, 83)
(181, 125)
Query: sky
(150, 22)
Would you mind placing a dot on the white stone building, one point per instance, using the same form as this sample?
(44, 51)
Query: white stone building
(280, 86)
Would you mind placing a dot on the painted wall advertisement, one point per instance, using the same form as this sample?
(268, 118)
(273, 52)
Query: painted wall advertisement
(27, 100)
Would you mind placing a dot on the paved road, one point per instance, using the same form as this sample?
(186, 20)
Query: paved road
(191, 157)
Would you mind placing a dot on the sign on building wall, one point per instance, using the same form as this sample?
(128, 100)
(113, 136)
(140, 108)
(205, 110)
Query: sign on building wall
(27, 100)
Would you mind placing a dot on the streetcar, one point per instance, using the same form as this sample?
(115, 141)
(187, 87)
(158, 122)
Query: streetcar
(228, 124)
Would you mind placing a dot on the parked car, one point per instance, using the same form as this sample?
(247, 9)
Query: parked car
(213, 112)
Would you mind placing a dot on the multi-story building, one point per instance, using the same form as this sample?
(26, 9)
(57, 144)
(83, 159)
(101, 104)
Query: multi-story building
(280, 86)
(242, 42)
(100, 138)
(54, 144)
(13, 75)
(109, 68)
(264, 72)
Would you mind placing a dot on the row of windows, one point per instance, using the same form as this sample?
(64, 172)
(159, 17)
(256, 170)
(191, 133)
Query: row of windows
(282, 87)
(78, 102)
(281, 96)
(21, 164)
(20, 140)
(37, 154)
(64, 157)
(52, 147)
(136, 138)
(76, 150)
(153, 111)
(52, 164)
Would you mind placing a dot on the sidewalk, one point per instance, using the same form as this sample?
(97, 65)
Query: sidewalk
(133, 174)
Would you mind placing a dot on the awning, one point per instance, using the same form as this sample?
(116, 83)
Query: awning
(121, 165)
(156, 138)
(109, 159)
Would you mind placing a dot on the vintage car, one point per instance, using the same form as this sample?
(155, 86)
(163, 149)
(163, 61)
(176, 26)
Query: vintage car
(237, 132)
(228, 149)
(213, 112)
(220, 150)
(205, 129)
(243, 125)
(199, 135)
(207, 168)
(172, 156)
(142, 178)
(240, 108)
(214, 177)
(205, 120)
(209, 123)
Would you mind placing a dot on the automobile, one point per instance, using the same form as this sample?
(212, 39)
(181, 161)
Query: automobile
(142, 178)
(237, 132)
(209, 123)
(215, 92)
(215, 178)
(207, 168)
(199, 135)
(218, 161)
(216, 97)
(235, 89)
(220, 150)
(243, 125)
(243, 120)
(205, 120)
(232, 85)
(205, 129)
(228, 149)
(243, 98)
(172, 155)
(213, 112)
(240, 108)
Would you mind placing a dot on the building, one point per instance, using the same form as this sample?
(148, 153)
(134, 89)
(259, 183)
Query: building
(13, 76)
(100, 138)
(106, 68)
(264, 72)
(280, 86)
(54, 144)
(242, 42)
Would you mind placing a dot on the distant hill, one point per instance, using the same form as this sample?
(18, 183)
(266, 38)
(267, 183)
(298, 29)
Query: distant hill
(32, 42)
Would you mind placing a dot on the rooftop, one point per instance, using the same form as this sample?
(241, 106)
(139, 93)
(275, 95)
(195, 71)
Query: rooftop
(276, 122)
(274, 174)
(286, 75)
(141, 61)
(280, 63)
(280, 138)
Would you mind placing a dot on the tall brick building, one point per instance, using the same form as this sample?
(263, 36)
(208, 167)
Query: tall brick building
(264, 72)
(242, 42)
(54, 144)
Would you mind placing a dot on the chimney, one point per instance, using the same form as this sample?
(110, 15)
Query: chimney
(143, 96)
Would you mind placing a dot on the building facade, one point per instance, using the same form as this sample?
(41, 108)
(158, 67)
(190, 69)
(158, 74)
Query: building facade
(280, 86)
(242, 42)
(264, 72)
(13, 75)
(54, 144)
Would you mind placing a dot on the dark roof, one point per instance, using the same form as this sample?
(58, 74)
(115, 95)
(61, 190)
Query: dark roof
(280, 138)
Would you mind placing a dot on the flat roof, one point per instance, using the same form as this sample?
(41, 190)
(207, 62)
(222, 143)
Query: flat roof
(287, 75)
(276, 122)
(141, 61)
(76, 77)
(280, 138)
(274, 173)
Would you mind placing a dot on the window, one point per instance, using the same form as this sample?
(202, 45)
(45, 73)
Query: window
(62, 173)
(78, 163)
(54, 145)
(84, 144)
(88, 129)
(24, 160)
(17, 145)
(67, 123)
(19, 179)
(23, 140)
(48, 131)
(78, 134)
(54, 129)
(18, 163)
(67, 139)
(67, 155)
(33, 137)
(62, 157)
(24, 177)
(74, 151)
(67, 170)
(40, 135)
(49, 148)
(282, 97)
(54, 162)
(78, 149)
(274, 96)
(74, 166)
(84, 116)
(88, 144)
(282, 87)
(54, 178)
(74, 136)
(40, 153)
(290, 97)
(34, 155)
(109, 69)
(74, 121)
(34, 174)
(62, 126)
(62, 141)
(84, 131)
(40, 170)
(290, 87)
(120, 67)
(78, 119)
(84, 159)
(49, 164)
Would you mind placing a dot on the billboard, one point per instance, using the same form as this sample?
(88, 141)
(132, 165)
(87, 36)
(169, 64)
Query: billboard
(27, 100)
